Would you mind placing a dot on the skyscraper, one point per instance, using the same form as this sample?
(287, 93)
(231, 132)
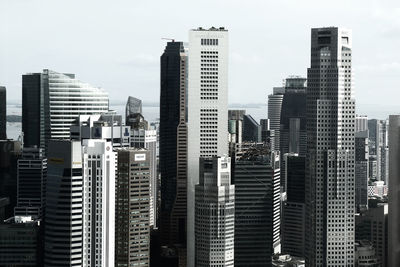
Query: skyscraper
(207, 110)
(215, 214)
(133, 106)
(251, 129)
(142, 138)
(378, 146)
(98, 203)
(173, 145)
(293, 134)
(257, 206)
(132, 220)
(394, 190)
(51, 101)
(3, 113)
(31, 180)
(361, 123)
(64, 210)
(293, 210)
(361, 170)
(274, 114)
(330, 150)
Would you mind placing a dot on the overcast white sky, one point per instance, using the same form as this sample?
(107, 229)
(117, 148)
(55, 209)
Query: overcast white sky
(116, 44)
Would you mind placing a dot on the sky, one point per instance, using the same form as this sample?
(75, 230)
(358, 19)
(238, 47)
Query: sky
(117, 44)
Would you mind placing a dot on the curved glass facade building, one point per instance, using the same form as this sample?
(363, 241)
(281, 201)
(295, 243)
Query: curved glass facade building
(51, 101)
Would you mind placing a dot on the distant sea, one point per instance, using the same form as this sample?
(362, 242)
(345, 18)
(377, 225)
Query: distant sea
(151, 114)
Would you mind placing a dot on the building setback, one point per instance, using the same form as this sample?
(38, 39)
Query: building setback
(330, 150)
(132, 208)
(207, 110)
(257, 206)
(214, 214)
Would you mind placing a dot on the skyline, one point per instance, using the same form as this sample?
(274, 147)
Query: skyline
(123, 59)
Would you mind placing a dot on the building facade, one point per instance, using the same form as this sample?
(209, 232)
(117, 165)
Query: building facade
(394, 190)
(330, 150)
(98, 203)
(64, 210)
(257, 206)
(3, 113)
(362, 169)
(214, 214)
(51, 101)
(274, 115)
(207, 110)
(173, 145)
(132, 220)
(31, 180)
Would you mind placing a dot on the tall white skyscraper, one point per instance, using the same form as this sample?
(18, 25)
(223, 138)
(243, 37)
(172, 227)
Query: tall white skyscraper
(274, 114)
(207, 110)
(98, 161)
(330, 150)
(215, 214)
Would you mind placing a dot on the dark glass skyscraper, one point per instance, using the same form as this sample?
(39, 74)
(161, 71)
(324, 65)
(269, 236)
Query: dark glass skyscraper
(257, 206)
(251, 129)
(173, 144)
(3, 113)
(293, 135)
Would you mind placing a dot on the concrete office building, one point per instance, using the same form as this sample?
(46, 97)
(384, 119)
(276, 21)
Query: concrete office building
(257, 206)
(107, 126)
(64, 210)
(207, 110)
(173, 146)
(394, 190)
(3, 113)
(214, 214)
(365, 254)
(132, 220)
(31, 180)
(330, 150)
(141, 138)
(98, 203)
(51, 101)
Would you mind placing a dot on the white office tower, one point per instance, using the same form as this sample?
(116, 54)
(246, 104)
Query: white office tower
(274, 114)
(207, 109)
(215, 214)
(330, 150)
(63, 214)
(394, 190)
(98, 161)
(141, 138)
